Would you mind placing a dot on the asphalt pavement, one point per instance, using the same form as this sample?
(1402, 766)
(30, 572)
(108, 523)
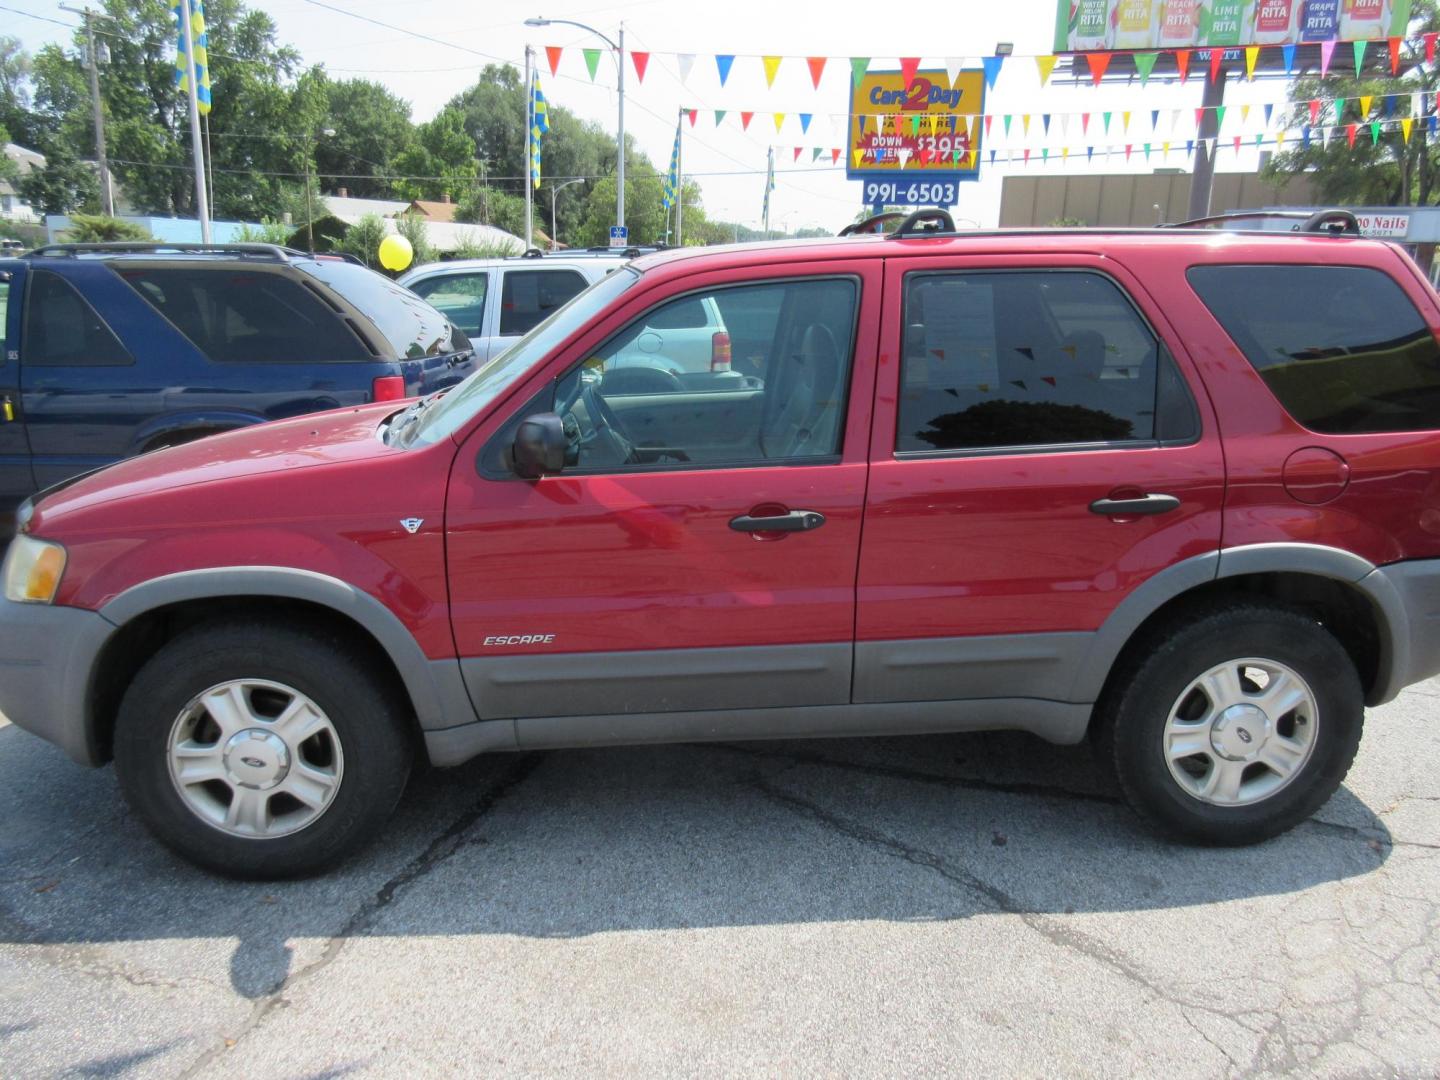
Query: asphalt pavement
(976, 905)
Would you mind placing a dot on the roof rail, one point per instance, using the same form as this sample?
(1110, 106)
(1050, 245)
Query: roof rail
(931, 221)
(143, 247)
(872, 225)
(1329, 222)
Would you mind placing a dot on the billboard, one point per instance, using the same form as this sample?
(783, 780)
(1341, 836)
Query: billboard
(913, 145)
(1084, 25)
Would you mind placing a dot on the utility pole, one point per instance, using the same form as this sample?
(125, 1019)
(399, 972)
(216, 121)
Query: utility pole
(107, 197)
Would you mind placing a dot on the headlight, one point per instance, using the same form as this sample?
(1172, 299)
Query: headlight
(32, 570)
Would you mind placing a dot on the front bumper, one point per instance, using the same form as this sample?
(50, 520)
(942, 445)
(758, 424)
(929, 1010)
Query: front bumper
(47, 657)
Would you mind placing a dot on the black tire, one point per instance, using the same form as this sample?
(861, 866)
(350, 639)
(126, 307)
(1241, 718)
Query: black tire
(367, 716)
(1137, 706)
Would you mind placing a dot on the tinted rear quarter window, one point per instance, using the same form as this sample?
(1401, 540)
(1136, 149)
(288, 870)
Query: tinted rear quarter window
(1342, 347)
(529, 296)
(238, 315)
(62, 329)
(410, 327)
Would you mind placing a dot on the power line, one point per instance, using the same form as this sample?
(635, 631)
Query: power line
(456, 179)
(42, 18)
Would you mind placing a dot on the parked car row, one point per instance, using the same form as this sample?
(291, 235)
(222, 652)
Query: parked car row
(1175, 491)
(116, 350)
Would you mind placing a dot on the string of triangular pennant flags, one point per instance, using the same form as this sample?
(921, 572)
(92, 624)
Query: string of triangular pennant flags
(1097, 62)
(1386, 107)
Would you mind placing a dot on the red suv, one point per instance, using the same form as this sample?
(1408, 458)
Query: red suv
(1177, 490)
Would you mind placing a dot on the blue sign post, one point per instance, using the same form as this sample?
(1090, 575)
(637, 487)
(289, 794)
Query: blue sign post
(619, 236)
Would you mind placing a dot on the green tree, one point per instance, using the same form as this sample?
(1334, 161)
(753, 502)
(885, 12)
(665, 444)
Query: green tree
(63, 186)
(494, 116)
(487, 206)
(442, 148)
(147, 123)
(644, 212)
(1384, 171)
(372, 127)
(268, 232)
(17, 119)
(412, 228)
(363, 240)
(98, 229)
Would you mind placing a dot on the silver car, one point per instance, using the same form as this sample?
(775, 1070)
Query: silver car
(496, 301)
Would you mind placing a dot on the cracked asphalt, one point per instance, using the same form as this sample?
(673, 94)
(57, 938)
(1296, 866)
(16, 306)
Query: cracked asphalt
(959, 904)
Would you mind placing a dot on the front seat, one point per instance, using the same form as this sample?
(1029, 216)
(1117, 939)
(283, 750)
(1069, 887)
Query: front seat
(803, 411)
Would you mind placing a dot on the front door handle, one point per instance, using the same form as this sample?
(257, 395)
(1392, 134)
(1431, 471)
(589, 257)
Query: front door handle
(794, 521)
(1141, 504)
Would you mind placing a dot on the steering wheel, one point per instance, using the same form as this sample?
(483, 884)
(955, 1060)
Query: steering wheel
(606, 425)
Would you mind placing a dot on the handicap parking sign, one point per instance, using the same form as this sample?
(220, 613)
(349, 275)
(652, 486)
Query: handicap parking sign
(619, 236)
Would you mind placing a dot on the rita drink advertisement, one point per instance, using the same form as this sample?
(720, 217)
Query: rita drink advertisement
(1142, 25)
(1275, 21)
(1322, 20)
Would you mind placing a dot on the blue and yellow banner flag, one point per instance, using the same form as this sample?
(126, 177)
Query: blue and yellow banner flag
(202, 54)
(672, 178)
(539, 125)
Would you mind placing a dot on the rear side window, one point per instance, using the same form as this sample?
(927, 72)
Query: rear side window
(63, 330)
(529, 296)
(411, 327)
(246, 316)
(1031, 359)
(1341, 347)
(681, 315)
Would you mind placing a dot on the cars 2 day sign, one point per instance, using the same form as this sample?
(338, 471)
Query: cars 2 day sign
(927, 133)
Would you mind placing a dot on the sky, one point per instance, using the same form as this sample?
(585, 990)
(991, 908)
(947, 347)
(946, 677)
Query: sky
(728, 163)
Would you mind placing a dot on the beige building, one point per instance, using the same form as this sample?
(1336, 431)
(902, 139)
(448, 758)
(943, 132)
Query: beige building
(1134, 199)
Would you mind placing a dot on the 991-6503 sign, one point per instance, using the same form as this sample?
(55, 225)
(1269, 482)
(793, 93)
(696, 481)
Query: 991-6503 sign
(918, 193)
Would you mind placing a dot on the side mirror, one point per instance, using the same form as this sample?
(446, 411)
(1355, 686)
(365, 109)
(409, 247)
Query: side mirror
(540, 446)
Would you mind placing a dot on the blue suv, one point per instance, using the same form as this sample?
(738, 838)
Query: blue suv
(111, 350)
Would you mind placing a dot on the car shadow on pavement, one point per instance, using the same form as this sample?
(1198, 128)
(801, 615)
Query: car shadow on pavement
(573, 843)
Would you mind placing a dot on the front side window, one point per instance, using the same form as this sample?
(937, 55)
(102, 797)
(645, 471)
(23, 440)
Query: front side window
(459, 297)
(62, 329)
(1025, 359)
(529, 296)
(667, 391)
(1341, 347)
(245, 316)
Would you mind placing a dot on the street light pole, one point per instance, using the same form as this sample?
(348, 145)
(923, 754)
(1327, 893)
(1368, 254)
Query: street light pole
(554, 227)
(620, 93)
(620, 156)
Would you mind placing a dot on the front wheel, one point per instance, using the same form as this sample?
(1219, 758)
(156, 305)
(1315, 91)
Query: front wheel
(261, 751)
(1238, 724)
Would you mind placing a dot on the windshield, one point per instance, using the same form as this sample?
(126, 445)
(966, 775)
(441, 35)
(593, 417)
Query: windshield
(411, 327)
(483, 387)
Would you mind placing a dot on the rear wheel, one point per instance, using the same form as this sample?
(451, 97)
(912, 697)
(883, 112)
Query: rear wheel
(1236, 725)
(261, 751)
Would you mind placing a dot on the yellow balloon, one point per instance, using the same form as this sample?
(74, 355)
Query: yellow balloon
(395, 253)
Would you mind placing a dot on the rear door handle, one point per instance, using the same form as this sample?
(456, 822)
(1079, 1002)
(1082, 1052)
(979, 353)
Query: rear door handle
(1143, 504)
(794, 521)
